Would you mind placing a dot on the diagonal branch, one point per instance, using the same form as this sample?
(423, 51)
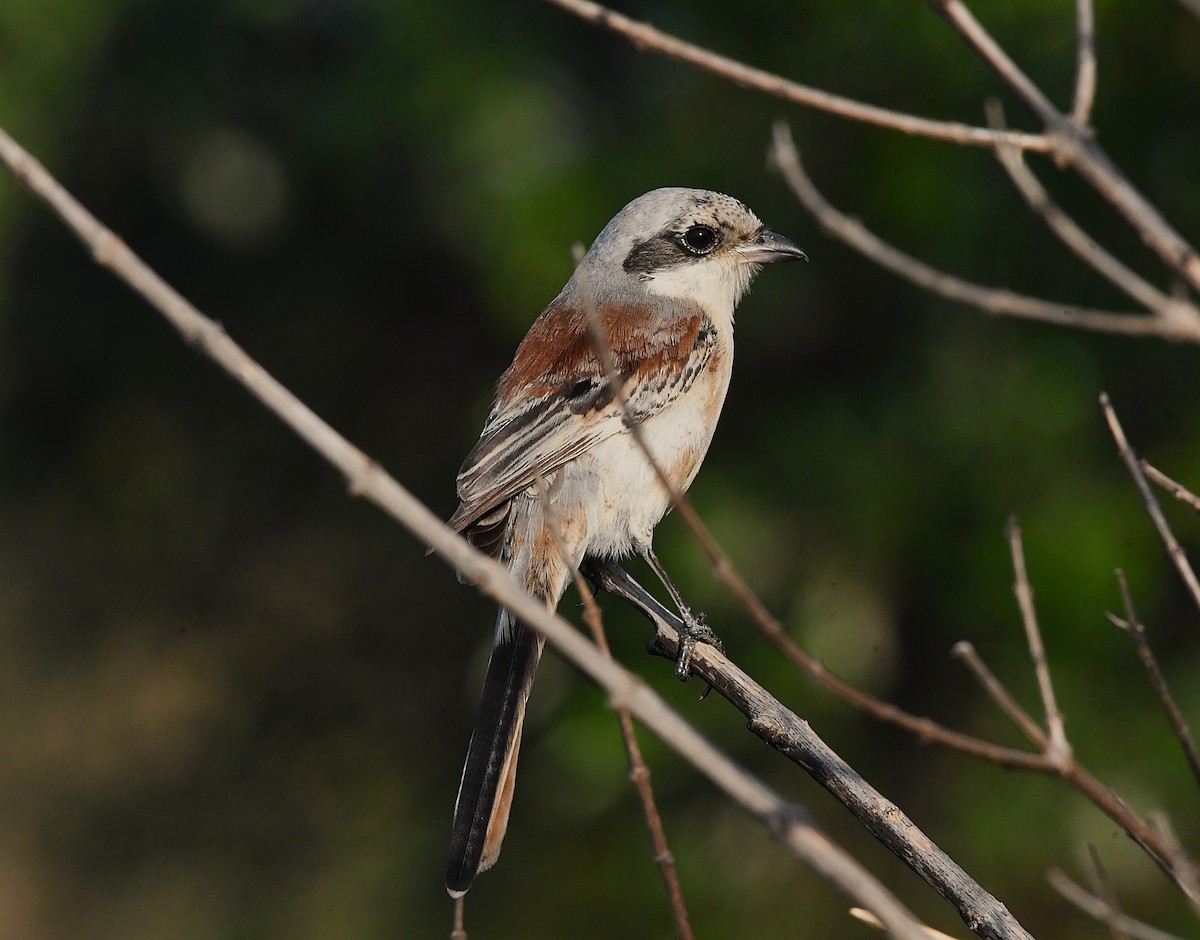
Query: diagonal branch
(966, 651)
(1174, 550)
(1075, 146)
(787, 822)
(645, 36)
(1169, 309)
(783, 730)
(1066, 138)
(1137, 632)
(1174, 487)
(997, 301)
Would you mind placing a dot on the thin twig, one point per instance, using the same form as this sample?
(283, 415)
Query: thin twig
(1174, 550)
(992, 300)
(1168, 855)
(1075, 147)
(1100, 910)
(923, 729)
(1056, 760)
(639, 772)
(1171, 309)
(964, 23)
(1177, 856)
(769, 627)
(1104, 889)
(1057, 749)
(787, 822)
(793, 737)
(1068, 141)
(646, 37)
(965, 651)
(1137, 632)
(1154, 840)
(1175, 488)
(1085, 64)
(871, 920)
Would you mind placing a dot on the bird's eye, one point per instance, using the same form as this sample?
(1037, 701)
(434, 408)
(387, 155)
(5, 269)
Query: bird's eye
(699, 240)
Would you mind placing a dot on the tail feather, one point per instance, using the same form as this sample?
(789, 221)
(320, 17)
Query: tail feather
(485, 792)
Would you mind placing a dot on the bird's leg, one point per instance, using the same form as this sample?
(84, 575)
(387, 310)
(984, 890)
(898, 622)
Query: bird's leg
(695, 629)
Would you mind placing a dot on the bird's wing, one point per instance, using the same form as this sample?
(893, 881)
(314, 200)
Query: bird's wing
(555, 401)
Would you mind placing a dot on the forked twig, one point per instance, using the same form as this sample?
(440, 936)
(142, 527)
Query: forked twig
(1100, 909)
(1175, 488)
(966, 651)
(992, 300)
(1174, 550)
(783, 730)
(1075, 146)
(1067, 138)
(1137, 632)
(1170, 309)
(1155, 840)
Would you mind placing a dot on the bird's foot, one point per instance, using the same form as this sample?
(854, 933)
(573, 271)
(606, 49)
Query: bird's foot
(695, 630)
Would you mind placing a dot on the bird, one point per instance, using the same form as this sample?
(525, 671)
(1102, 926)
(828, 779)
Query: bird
(557, 476)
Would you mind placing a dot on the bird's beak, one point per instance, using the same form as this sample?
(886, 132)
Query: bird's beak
(766, 247)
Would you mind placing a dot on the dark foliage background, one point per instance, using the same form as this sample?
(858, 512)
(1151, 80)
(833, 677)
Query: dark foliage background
(233, 701)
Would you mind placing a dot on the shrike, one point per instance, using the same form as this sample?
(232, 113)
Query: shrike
(660, 284)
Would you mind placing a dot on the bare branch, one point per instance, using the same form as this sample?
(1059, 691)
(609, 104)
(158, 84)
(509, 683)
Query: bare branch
(1174, 550)
(978, 38)
(1176, 489)
(1137, 632)
(1000, 695)
(645, 36)
(1057, 750)
(639, 772)
(1173, 310)
(1085, 67)
(1075, 147)
(870, 919)
(1100, 909)
(1104, 889)
(787, 822)
(783, 730)
(1177, 857)
(1066, 139)
(991, 300)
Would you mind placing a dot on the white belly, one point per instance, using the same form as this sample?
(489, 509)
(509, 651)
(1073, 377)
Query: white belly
(624, 495)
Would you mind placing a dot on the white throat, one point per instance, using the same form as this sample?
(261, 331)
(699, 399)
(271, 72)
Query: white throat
(715, 284)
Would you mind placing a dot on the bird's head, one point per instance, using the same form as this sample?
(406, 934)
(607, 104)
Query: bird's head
(686, 243)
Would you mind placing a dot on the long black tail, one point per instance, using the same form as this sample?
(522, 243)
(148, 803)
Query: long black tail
(485, 793)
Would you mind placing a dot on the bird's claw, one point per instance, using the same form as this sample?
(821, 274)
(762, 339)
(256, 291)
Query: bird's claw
(695, 630)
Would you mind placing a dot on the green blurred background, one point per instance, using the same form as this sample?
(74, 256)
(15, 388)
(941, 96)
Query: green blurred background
(234, 701)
